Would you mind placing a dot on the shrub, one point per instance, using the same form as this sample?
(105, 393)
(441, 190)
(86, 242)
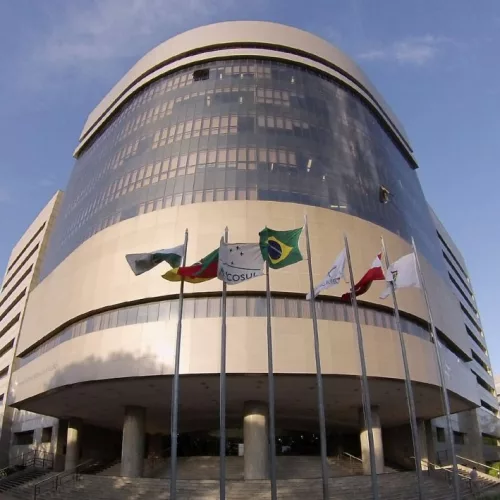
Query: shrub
(492, 471)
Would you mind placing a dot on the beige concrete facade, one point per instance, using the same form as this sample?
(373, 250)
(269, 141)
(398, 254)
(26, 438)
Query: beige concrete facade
(20, 278)
(477, 431)
(99, 268)
(104, 280)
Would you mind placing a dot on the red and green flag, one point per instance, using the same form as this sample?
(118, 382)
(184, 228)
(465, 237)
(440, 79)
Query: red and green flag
(203, 270)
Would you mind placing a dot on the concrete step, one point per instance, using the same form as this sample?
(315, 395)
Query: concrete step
(287, 467)
(395, 486)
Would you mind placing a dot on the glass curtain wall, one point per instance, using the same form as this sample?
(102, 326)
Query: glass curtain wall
(242, 129)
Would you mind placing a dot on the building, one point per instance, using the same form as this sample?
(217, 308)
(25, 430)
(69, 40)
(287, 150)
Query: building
(243, 124)
(21, 276)
(476, 431)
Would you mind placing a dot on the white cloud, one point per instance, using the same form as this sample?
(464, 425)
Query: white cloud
(414, 50)
(89, 38)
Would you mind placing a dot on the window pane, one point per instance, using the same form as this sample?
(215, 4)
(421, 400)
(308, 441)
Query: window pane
(214, 307)
(260, 307)
(292, 310)
(132, 315)
(153, 310)
(174, 309)
(240, 306)
(200, 310)
(142, 314)
(279, 307)
(113, 317)
(188, 310)
(164, 311)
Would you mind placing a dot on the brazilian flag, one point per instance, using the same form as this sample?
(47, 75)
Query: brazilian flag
(280, 248)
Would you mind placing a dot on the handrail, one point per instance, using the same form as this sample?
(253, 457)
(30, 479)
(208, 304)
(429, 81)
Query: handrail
(478, 463)
(352, 456)
(447, 470)
(56, 480)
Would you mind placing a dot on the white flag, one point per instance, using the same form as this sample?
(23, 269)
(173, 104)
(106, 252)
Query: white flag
(333, 277)
(403, 273)
(142, 262)
(239, 262)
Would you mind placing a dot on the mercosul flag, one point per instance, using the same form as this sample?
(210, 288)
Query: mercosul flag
(142, 262)
(239, 262)
(334, 275)
(403, 273)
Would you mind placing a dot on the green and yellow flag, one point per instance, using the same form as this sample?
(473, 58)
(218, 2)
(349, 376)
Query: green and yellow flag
(280, 248)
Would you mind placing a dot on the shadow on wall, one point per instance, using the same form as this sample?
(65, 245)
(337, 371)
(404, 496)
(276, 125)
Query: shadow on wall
(98, 389)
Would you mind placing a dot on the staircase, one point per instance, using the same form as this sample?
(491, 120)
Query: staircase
(26, 470)
(395, 486)
(484, 481)
(287, 467)
(17, 484)
(299, 477)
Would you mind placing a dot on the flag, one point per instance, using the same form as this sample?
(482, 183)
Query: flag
(204, 270)
(403, 273)
(333, 277)
(142, 262)
(373, 274)
(239, 262)
(280, 248)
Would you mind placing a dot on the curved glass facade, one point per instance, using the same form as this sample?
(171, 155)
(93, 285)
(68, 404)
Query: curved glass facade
(242, 129)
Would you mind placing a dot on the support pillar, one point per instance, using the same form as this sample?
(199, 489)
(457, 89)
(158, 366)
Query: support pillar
(255, 440)
(422, 439)
(59, 439)
(377, 442)
(133, 442)
(431, 444)
(73, 443)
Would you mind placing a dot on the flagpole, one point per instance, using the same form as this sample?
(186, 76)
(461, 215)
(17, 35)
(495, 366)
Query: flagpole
(409, 390)
(270, 378)
(365, 391)
(174, 416)
(319, 376)
(222, 391)
(444, 391)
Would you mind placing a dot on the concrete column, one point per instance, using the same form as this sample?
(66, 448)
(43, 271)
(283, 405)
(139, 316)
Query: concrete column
(377, 441)
(422, 439)
(430, 443)
(73, 443)
(133, 442)
(59, 437)
(255, 440)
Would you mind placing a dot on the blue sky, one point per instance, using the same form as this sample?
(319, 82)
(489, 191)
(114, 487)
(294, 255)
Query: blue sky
(435, 61)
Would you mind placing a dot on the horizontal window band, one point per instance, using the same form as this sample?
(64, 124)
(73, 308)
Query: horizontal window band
(280, 49)
(209, 306)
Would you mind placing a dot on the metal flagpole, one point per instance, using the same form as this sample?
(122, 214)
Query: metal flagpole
(409, 390)
(319, 377)
(174, 416)
(365, 391)
(222, 392)
(446, 401)
(270, 378)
